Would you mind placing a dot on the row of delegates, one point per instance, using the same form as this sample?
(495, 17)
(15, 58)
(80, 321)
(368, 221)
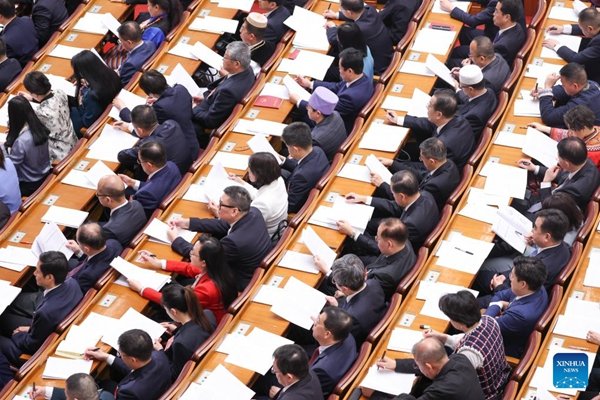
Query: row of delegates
(213, 281)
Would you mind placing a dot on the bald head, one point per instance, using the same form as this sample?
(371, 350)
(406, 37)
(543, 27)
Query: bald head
(90, 235)
(429, 350)
(81, 387)
(111, 191)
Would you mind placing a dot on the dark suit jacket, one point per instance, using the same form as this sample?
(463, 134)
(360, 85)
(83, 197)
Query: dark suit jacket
(351, 99)
(125, 222)
(581, 186)
(333, 362)
(245, 243)
(9, 69)
(88, 112)
(20, 39)
(155, 189)
(588, 56)
(135, 60)
(93, 268)
(554, 259)
(509, 43)
(168, 133)
(376, 35)
(275, 26)
(47, 16)
(478, 110)
(519, 319)
(148, 382)
(174, 103)
(366, 308)
(262, 52)
(329, 134)
(306, 388)
(496, 73)
(457, 135)
(389, 270)
(304, 177)
(6, 374)
(396, 15)
(484, 17)
(221, 97)
(552, 114)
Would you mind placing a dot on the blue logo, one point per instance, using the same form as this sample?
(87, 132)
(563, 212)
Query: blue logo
(570, 370)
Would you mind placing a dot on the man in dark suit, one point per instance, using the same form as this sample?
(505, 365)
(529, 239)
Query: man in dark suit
(139, 51)
(443, 123)
(574, 174)
(276, 15)
(147, 128)
(518, 309)
(416, 209)
(252, 33)
(575, 89)
(240, 228)
(163, 177)
(438, 175)
(5, 372)
(363, 299)
(290, 366)
(47, 17)
(9, 67)
(18, 34)
(173, 103)
(471, 21)
(215, 105)
(94, 252)
(374, 31)
(354, 91)
(127, 218)
(329, 131)
(476, 103)
(588, 26)
(396, 15)
(305, 165)
(60, 296)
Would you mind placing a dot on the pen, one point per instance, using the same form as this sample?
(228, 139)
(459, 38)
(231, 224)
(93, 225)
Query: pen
(329, 7)
(536, 86)
(33, 388)
(423, 326)
(518, 233)
(382, 359)
(464, 251)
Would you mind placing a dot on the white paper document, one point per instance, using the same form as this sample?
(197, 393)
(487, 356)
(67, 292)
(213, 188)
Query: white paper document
(219, 385)
(275, 90)
(78, 340)
(342, 210)
(207, 55)
(18, 255)
(62, 368)
(99, 171)
(479, 212)
(50, 238)
(65, 216)
(157, 229)
(415, 68)
(512, 227)
(541, 147)
(256, 354)
(294, 87)
(463, 253)
(110, 142)
(58, 82)
(576, 325)
(377, 168)
(440, 69)
(214, 25)
(242, 5)
(313, 37)
(403, 339)
(585, 308)
(433, 41)
(572, 42)
(183, 50)
(302, 19)
(563, 13)
(216, 181)
(133, 320)
(298, 261)
(9, 294)
(463, 5)
(268, 295)
(396, 103)
(231, 160)
(130, 99)
(387, 381)
(506, 180)
(91, 23)
(540, 72)
(510, 139)
(477, 195)
(431, 292)
(259, 127)
(180, 75)
(526, 106)
(259, 143)
(68, 52)
(299, 304)
(147, 278)
(355, 172)
(592, 273)
(307, 63)
(418, 106)
(383, 137)
(317, 246)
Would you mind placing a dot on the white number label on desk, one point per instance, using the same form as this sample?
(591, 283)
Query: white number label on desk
(17, 237)
(407, 319)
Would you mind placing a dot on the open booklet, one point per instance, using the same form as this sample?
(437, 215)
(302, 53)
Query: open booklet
(512, 227)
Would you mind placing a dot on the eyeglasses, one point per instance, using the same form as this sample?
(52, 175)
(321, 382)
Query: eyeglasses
(192, 254)
(102, 195)
(221, 205)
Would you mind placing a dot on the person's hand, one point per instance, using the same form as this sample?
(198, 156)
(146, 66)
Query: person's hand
(503, 305)
(455, 72)
(526, 163)
(117, 102)
(539, 127)
(236, 178)
(172, 233)
(355, 198)
(127, 180)
(135, 285)
(466, 61)
(442, 337)
(149, 259)
(550, 43)
(302, 81)
(376, 180)
(26, 95)
(593, 337)
(73, 246)
(320, 264)
(93, 354)
(551, 174)
(294, 97)
(446, 5)
(551, 80)
(345, 228)
(332, 301)
(20, 329)
(273, 390)
(555, 29)
(535, 92)
(150, 100)
(123, 126)
(391, 116)
(39, 392)
(223, 71)
(386, 363)
(169, 326)
(497, 280)
(386, 161)
(330, 14)
(157, 346)
(197, 100)
(213, 208)
(329, 24)
(182, 223)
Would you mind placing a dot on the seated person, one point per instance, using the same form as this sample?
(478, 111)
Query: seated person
(78, 386)
(9, 67)
(416, 209)
(163, 177)
(29, 327)
(564, 202)
(144, 373)
(18, 34)
(127, 218)
(329, 131)
(162, 17)
(252, 32)
(370, 23)
(396, 15)
(304, 166)
(575, 89)
(96, 87)
(396, 259)
(574, 174)
(10, 194)
(469, 30)
(580, 122)
(191, 327)
(146, 127)
(349, 35)
(96, 255)
(444, 123)
(138, 50)
(480, 341)
(290, 366)
(53, 112)
(354, 91)
(213, 283)
(215, 105)
(276, 14)
(47, 17)
(360, 297)
(169, 103)
(476, 103)
(240, 228)
(6, 373)
(438, 175)
(518, 309)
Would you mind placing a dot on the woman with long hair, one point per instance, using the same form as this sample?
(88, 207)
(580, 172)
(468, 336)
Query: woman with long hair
(27, 145)
(214, 284)
(161, 18)
(10, 194)
(96, 87)
(194, 325)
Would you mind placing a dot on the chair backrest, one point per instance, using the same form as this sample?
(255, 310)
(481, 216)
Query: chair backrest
(74, 14)
(591, 211)
(467, 174)
(389, 71)
(349, 141)
(596, 196)
(138, 238)
(258, 83)
(287, 36)
(499, 111)
(97, 125)
(510, 82)
(200, 160)
(279, 49)
(302, 213)
(185, 182)
(85, 302)
(184, 17)
(335, 163)
(234, 116)
(9, 387)
(408, 279)
(344, 384)
(187, 369)
(540, 12)
(555, 296)
(237, 304)
(24, 370)
(58, 168)
(46, 49)
(531, 349)
(370, 105)
(12, 87)
(36, 195)
(385, 321)
(272, 255)
(528, 45)
(408, 36)
(210, 341)
(510, 390)
(8, 224)
(439, 228)
(569, 268)
(482, 144)
(418, 15)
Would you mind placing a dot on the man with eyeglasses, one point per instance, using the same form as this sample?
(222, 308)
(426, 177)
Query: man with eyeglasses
(290, 366)
(240, 228)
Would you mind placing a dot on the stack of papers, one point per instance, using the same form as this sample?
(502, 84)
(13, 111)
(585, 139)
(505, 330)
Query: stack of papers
(463, 5)
(132, 320)
(50, 238)
(58, 82)
(479, 196)
(268, 295)
(510, 139)
(68, 52)
(157, 229)
(96, 23)
(256, 350)
(564, 14)
(275, 90)
(592, 273)
(396, 103)
(317, 246)
(62, 368)
(220, 384)
(110, 142)
(214, 25)
(294, 88)
(541, 147)
(299, 304)
(506, 180)
(89, 179)
(526, 106)
(355, 172)
(572, 42)
(387, 381)
(130, 99)
(259, 127)
(207, 55)
(259, 143)
(431, 293)
(579, 318)
(65, 216)
(463, 253)
(512, 227)
(479, 212)
(383, 137)
(242, 5)
(376, 167)
(298, 261)
(212, 188)
(181, 76)
(415, 68)
(307, 63)
(183, 50)
(9, 294)
(440, 69)
(231, 160)
(310, 29)
(78, 340)
(146, 277)
(404, 339)
(342, 210)
(433, 41)
(16, 258)
(540, 72)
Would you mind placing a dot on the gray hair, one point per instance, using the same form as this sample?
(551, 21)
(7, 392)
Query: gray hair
(433, 148)
(348, 271)
(240, 198)
(240, 52)
(82, 387)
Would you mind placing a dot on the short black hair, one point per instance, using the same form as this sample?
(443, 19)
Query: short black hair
(153, 82)
(136, 343)
(514, 8)
(291, 359)
(579, 117)
(405, 182)
(554, 222)
(338, 322)
(37, 83)
(7, 8)
(572, 149)
(239, 197)
(144, 116)
(394, 229)
(153, 152)
(445, 102)
(92, 235)
(531, 271)
(485, 47)
(574, 73)
(265, 168)
(297, 134)
(81, 386)
(433, 148)
(589, 16)
(54, 263)
(564, 202)
(461, 307)
(130, 30)
(352, 58)
(352, 5)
